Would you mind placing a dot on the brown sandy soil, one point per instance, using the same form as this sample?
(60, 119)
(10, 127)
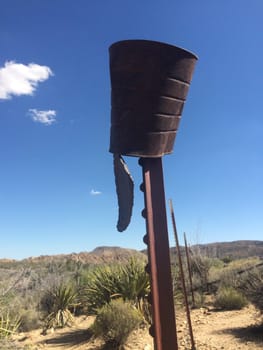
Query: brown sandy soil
(213, 330)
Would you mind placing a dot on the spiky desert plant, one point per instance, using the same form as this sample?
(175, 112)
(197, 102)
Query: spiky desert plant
(8, 325)
(134, 283)
(57, 304)
(129, 282)
(101, 285)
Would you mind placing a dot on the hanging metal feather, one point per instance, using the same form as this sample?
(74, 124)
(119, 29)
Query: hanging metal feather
(124, 188)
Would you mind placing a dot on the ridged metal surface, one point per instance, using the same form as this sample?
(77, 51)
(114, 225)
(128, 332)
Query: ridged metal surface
(149, 81)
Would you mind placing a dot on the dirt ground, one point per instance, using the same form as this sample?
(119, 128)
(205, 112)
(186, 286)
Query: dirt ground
(213, 330)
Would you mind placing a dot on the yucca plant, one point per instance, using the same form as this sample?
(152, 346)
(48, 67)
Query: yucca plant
(57, 305)
(129, 282)
(134, 283)
(100, 287)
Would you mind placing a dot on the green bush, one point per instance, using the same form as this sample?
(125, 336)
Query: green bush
(228, 298)
(115, 321)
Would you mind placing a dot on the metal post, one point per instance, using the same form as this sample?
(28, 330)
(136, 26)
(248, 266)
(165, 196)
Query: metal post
(164, 325)
(182, 278)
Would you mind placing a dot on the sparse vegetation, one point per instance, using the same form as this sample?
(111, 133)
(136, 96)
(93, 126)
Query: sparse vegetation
(83, 288)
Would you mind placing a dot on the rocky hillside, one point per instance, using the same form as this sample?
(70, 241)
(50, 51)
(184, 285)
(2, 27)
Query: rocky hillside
(105, 255)
(234, 250)
(100, 255)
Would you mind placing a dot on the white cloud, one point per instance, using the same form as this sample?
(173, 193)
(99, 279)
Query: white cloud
(95, 193)
(20, 79)
(43, 117)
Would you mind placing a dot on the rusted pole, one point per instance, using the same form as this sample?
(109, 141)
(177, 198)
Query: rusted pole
(189, 269)
(164, 325)
(182, 277)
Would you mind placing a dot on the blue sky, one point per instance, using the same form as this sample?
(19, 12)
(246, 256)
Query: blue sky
(57, 191)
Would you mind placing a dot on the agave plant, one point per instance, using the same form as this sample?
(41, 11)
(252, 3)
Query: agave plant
(57, 305)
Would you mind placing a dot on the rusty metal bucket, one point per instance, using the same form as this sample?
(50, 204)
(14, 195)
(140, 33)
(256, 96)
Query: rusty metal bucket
(149, 81)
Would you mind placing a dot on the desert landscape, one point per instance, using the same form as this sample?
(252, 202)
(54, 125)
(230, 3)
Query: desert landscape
(222, 317)
(213, 330)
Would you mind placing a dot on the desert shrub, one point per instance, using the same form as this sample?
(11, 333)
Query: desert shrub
(228, 279)
(200, 266)
(29, 320)
(252, 287)
(199, 299)
(129, 282)
(227, 259)
(57, 304)
(115, 321)
(228, 298)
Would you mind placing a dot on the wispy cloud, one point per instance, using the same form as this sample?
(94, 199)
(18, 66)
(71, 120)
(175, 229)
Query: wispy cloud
(95, 193)
(43, 117)
(20, 79)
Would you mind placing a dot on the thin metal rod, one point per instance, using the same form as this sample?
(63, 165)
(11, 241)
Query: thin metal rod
(189, 269)
(164, 325)
(182, 278)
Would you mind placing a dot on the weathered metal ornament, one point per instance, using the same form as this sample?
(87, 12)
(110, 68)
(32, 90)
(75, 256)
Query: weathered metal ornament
(149, 85)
